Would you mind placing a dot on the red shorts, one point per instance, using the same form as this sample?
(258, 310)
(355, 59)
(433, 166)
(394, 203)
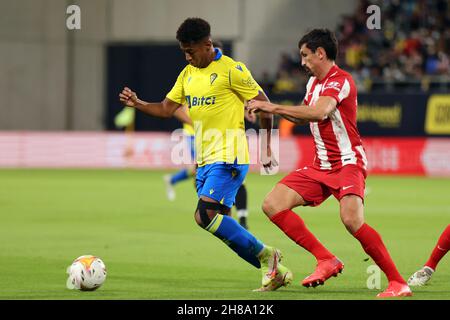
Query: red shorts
(315, 185)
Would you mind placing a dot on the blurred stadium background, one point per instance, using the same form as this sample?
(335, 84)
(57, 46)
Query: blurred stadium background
(60, 86)
(59, 92)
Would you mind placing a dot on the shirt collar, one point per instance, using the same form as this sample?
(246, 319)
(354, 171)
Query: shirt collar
(332, 69)
(218, 54)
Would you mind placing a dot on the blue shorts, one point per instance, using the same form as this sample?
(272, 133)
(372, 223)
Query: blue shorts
(191, 145)
(220, 181)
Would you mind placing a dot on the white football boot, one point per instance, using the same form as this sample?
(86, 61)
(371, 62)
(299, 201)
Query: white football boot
(421, 277)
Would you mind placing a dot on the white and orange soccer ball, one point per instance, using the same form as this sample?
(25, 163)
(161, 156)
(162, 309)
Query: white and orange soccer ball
(86, 273)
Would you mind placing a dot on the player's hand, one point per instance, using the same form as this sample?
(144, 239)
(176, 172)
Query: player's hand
(269, 162)
(250, 116)
(258, 105)
(128, 97)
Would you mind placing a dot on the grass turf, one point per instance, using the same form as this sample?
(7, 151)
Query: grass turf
(154, 250)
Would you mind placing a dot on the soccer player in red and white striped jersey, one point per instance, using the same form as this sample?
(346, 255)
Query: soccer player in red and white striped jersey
(339, 168)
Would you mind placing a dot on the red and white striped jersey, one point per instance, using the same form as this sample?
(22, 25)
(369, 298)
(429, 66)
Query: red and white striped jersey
(336, 137)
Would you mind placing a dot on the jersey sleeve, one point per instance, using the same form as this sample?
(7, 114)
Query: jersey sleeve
(337, 88)
(241, 81)
(177, 93)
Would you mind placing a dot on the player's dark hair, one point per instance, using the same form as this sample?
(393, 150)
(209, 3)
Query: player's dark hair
(321, 38)
(193, 30)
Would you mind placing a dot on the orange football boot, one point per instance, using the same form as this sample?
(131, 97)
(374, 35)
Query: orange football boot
(324, 270)
(396, 289)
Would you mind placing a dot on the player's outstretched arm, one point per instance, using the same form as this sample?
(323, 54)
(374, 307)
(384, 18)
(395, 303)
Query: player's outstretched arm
(295, 120)
(163, 109)
(322, 108)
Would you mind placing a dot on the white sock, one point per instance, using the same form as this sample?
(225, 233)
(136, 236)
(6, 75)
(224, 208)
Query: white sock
(242, 213)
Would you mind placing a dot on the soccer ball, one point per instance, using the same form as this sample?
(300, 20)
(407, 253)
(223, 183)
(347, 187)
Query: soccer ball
(86, 273)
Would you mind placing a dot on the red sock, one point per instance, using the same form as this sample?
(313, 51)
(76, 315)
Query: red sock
(294, 227)
(373, 245)
(440, 250)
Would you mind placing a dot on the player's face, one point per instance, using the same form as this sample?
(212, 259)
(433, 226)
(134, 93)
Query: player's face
(310, 60)
(197, 54)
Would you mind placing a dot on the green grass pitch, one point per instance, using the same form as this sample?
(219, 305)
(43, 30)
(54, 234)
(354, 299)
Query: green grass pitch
(154, 250)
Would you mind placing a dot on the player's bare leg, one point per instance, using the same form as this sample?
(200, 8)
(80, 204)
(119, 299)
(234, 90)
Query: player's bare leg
(352, 215)
(210, 212)
(278, 206)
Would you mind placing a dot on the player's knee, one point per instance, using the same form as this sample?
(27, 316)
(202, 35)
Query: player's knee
(352, 214)
(206, 211)
(197, 218)
(270, 206)
(352, 222)
(203, 220)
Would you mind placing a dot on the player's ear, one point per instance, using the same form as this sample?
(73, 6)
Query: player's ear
(321, 53)
(208, 43)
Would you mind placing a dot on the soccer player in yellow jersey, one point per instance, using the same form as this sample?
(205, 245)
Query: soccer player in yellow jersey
(182, 114)
(215, 88)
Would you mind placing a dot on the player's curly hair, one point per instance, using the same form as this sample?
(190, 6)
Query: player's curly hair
(321, 38)
(193, 30)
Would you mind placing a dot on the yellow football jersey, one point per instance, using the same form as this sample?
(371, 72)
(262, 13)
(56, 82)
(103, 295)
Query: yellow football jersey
(215, 96)
(188, 129)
